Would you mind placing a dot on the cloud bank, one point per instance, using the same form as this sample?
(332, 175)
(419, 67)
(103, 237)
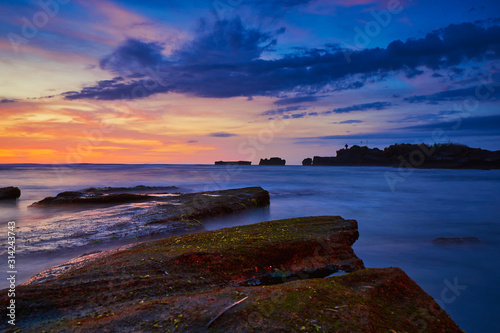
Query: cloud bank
(227, 62)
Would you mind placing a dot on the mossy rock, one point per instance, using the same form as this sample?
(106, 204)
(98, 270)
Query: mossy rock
(181, 283)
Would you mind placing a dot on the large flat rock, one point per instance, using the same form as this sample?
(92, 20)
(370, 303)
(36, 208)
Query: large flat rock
(70, 224)
(104, 196)
(181, 283)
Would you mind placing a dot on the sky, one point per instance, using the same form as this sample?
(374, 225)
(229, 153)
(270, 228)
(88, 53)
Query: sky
(152, 81)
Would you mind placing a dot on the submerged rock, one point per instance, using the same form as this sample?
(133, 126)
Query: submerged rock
(10, 193)
(456, 240)
(182, 283)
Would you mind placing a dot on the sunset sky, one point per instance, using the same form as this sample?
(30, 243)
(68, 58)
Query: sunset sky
(154, 81)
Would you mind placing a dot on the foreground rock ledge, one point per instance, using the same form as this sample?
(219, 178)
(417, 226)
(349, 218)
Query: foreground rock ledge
(182, 283)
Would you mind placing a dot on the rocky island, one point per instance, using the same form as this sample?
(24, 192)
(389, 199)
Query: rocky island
(233, 163)
(291, 275)
(443, 156)
(272, 161)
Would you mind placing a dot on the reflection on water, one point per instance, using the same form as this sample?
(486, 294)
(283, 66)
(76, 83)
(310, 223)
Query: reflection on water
(396, 228)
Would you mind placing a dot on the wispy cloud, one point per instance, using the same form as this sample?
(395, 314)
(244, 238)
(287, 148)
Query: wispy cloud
(488, 91)
(222, 135)
(426, 117)
(296, 100)
(349, 122)
(482, 126)
(281, 111)
(486, 126)
(361, 107)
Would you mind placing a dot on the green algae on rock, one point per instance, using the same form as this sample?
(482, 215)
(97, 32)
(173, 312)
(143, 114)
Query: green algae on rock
(179, 284)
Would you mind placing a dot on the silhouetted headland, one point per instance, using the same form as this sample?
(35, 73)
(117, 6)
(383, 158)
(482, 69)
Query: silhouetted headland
(439, 156)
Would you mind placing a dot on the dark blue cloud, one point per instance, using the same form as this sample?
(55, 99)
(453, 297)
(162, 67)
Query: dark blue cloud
(229, 43)
(5, 100)
(477, 126)
(222, 135)
(351, 121)
(133, 56)
(224, 60)
(281, 111)
(426, 117)
(358, 136)
(274, 8)
(296, 100)
(298, 115)
(361, 107)
(490, 91)
(459, 128)
(120, 88)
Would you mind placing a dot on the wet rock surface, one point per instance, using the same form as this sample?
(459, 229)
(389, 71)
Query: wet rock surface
(188, 283)
(105, 195)
(162, 214)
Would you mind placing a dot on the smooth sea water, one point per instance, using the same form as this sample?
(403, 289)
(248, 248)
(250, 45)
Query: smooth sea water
(396, 225)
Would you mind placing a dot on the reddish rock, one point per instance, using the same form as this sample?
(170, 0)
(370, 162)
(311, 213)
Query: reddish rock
(182, 283)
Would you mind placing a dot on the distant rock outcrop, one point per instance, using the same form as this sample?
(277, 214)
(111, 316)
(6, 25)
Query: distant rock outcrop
(272, 161)
(456, 240)
(445, 156)
(10, 193)
(307, 161)
(233, 163)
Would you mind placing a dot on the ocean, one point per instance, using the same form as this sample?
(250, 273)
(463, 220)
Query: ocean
(399, 213)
